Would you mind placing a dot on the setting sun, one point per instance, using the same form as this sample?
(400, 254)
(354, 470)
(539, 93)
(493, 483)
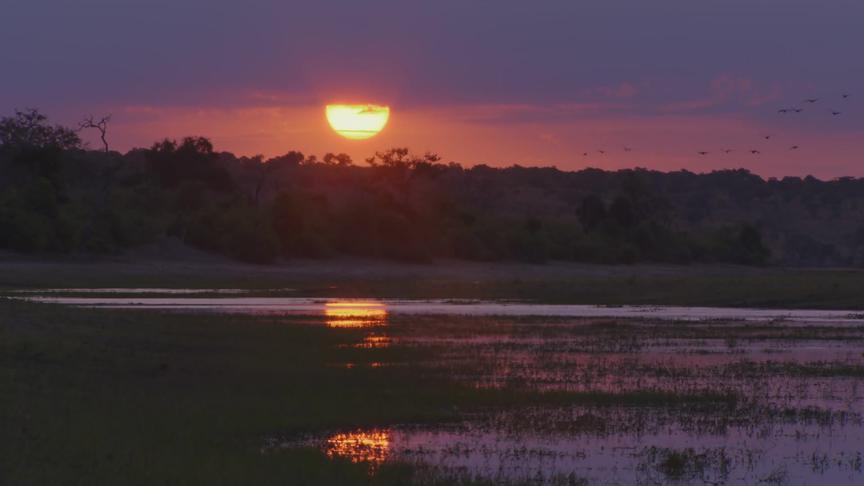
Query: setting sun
(358, 122)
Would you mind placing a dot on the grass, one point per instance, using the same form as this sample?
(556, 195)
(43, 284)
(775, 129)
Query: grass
(808, 370)
(136, 397)
(111, 398)
(688, 465)
(551, 283)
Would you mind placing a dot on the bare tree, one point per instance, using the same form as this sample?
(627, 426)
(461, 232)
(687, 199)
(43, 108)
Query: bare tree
(101, 125)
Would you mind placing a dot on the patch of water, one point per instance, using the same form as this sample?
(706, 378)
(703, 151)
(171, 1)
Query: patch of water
(740, 455)
(797, 374)
(299, 305)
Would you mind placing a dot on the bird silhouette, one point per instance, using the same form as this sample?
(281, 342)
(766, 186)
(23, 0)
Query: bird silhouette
(797, 110)
(846, 95)
(601, 152)
(811, 100)
(767, 137)
(835, 113)
(702, 153)
(727, 151)
(794, 147)
(584, 154)
(755, 152)
(783, 110)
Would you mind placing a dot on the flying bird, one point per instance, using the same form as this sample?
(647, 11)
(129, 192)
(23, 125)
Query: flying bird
(835, 113)
(584, 154)
(767, 137)
(702, 153)
(783, 110)
(797, 110)
(727, 151)
(846, 95)
(755, 152)
(601, 152)
(811, 100)
(794, 147)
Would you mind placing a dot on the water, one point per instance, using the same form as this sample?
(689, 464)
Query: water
(798, 422)
(796, 376)
(608, 458)
(299, 305)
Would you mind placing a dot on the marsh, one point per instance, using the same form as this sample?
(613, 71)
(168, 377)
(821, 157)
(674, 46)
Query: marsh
(199, 384)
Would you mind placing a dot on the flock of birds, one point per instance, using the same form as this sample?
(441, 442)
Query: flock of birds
(782, 111)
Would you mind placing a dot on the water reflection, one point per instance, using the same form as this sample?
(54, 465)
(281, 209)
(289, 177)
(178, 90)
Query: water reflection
(369, 446)
(142, 298)
(666, 451)
(347, 313)
(374, 341)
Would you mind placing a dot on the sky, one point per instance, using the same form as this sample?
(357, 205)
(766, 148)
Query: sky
(499, 82)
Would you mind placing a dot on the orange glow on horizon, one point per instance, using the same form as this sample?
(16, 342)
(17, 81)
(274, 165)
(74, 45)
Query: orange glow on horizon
(357, 122)
(495, 135)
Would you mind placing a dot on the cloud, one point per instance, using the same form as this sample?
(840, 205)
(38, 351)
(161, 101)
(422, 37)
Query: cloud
(727, 91)
(527, 113)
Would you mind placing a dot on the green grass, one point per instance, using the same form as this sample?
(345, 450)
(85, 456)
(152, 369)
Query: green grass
(134, 397)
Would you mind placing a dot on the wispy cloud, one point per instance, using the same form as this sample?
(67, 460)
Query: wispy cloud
(730, 91)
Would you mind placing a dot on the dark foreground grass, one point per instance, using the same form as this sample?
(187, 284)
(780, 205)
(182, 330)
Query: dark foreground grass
(127, 397)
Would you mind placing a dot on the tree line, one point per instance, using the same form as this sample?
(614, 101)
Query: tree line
(58, 197)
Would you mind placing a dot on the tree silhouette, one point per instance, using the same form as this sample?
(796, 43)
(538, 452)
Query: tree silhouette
(340, 160)
(401, 157)
(29, 129)
(101, 125)
(192, 160)
(622, 212)
(592, 212)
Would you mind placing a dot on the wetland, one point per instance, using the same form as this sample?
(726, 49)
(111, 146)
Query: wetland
(214, 385)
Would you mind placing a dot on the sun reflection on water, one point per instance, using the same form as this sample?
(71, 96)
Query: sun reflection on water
(374, 341)
(355, 313)
(369, 446)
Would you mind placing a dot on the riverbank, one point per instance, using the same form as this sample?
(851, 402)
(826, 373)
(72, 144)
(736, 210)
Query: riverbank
(552, 283)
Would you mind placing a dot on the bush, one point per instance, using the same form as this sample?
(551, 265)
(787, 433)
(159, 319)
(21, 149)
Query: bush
(242, 233)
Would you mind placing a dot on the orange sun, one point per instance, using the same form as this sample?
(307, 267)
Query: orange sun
(358, 122)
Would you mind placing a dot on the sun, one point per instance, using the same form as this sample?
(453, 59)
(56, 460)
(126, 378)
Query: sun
(358, 122)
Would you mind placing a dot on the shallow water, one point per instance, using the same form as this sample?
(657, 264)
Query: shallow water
(798, 420)
(738, 456)
(299, 305)
(796, 375)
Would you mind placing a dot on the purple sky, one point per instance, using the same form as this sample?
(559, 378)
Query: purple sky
(500, 81)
